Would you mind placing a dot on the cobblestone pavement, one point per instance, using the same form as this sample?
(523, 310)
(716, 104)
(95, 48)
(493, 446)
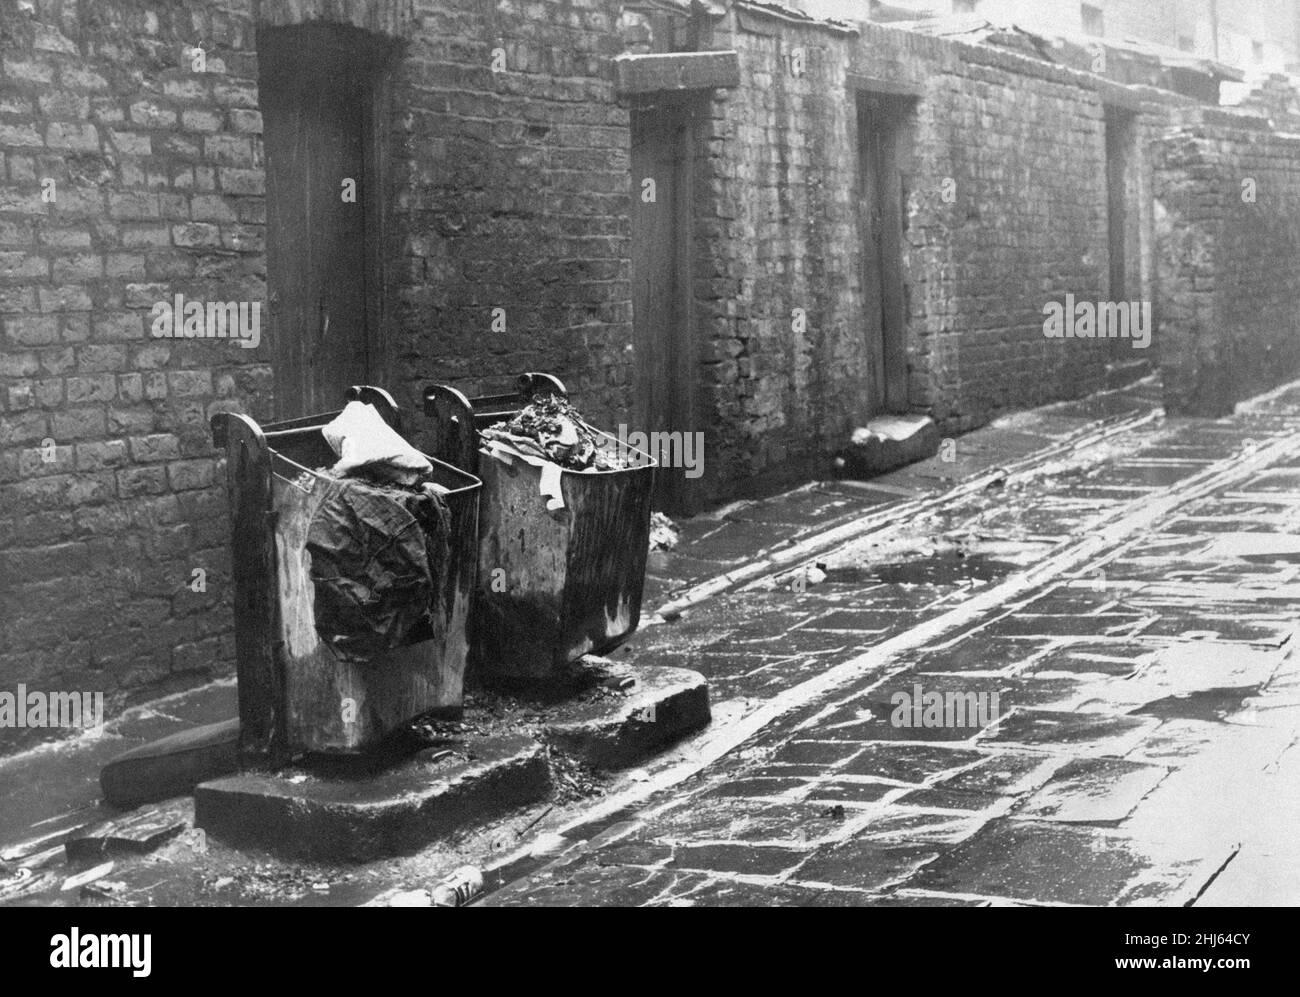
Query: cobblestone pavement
(1111, 639)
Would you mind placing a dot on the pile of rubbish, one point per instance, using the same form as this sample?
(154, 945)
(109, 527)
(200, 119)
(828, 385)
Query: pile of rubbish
(379, 542)
(551, 429)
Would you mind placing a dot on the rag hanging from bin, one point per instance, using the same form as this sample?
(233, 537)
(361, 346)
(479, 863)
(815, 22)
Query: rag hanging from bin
(377, 549)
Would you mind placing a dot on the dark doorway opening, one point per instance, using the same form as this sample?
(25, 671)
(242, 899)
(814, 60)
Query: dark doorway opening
(322, 94)
(663, 149)
(882, 131)
(1120, 159)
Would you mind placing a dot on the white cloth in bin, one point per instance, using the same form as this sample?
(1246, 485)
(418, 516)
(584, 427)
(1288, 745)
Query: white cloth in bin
(361, 438)
(548, 487)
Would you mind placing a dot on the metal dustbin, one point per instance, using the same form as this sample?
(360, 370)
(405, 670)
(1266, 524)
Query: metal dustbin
(295, 694)
(552, 585)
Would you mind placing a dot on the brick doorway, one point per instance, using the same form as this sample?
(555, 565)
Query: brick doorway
(321, 92)
(663, 148)
(881, 139)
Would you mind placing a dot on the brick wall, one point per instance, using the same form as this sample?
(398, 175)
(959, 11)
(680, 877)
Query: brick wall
(125, 178)
(510, 173)
(1022, 144)
(1229, 267)
(776, 213)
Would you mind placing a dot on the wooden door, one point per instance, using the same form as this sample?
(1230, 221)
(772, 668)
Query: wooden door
(880, 207)
(661, 294)
(316, 97)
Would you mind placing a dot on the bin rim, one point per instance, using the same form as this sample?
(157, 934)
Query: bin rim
(647, 462)
(474, 482)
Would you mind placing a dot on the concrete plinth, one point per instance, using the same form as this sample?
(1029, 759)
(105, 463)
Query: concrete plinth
(359, 810)
(664, 705)
(372, 815)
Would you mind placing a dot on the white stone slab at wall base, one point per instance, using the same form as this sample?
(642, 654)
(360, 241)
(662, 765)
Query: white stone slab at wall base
(892, 427)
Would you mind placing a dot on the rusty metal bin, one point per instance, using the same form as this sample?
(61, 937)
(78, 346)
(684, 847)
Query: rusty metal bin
(552, 586)
(295, 694)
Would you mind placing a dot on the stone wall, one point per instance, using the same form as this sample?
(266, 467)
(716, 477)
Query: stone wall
(129, 172)
(510, 178)
(1227, 203)
(1006, 210)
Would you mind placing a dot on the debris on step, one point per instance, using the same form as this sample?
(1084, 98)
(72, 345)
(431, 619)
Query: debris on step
(458, 889)
(663, 532)
(138, 833)
(885, 443)
(89, 876)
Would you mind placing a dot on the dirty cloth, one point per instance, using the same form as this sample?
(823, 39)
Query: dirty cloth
(551, 429)
(377, 556)
(362, 439)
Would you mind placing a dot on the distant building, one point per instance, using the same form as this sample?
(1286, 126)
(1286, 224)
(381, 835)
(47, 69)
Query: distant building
(1253, 35)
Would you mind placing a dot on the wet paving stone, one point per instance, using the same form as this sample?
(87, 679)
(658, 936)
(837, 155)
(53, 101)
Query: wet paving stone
(1118, 659)
(634, 852)
(1093, 791)
(855, 620)
(1097, 625)
(901, 825)
(982, 652)
(721, 891)
(767, 629)
(1060, 863)
(818, 753)
(1221, 629)
(731, 820)
(757, 788)
(843, 791)
(742, 859)
(814, 507)
(864, 865)
(593, 885)
(909, 764)
(793, 643)
(1275, 479)
(800, 771)
(1007, 773)
(1096, 733)
(1151, 475)
(951, 799)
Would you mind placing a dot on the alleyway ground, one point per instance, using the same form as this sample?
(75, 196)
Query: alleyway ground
(1130, 600)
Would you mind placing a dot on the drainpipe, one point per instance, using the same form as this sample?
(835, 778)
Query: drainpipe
(1214, 27)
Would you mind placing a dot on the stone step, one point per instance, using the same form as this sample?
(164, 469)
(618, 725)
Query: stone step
(356, 818)
(172, 765)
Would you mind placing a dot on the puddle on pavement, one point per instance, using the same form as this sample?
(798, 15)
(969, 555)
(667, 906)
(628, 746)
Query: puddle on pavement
(1204, 704)
(950, 565)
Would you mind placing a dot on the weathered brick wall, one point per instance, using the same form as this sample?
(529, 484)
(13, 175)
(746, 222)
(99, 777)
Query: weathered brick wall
(775, 206)
(1228, 278)
(511, 190)
(110, 497)
(1022, 144)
